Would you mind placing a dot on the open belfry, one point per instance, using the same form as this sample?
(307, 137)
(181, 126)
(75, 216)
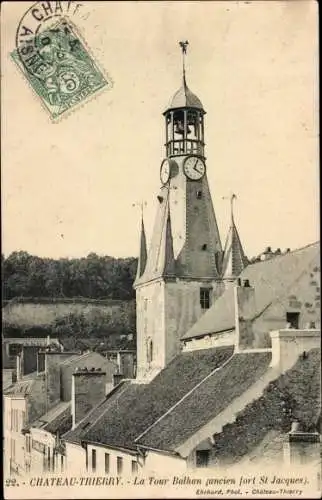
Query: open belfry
(181, 273)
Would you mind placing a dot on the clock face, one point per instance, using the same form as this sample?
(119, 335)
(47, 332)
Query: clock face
(194, 168)
(165, 171)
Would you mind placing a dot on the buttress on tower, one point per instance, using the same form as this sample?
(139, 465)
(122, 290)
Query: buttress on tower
(180, 275)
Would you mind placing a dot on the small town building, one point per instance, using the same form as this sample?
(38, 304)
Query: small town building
(19, 355)
(40, 398)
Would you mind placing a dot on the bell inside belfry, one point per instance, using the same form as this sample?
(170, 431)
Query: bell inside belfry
(179, 124)
(192, 120)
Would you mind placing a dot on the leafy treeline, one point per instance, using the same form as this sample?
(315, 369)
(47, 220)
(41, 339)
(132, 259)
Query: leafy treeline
(110, 325)
(95, 277)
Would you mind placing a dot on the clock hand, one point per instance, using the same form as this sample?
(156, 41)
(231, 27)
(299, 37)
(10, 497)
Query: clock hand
(196, 169)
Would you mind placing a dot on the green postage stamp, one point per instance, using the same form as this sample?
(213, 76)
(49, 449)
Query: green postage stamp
(59, 67)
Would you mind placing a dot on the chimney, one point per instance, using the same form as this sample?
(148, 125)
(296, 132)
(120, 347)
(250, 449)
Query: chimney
(88, 389)
(52, 361)
(288, 344)
(40, 362)
(268, 254)
(128, 364)
(19, 366)
(299, 445)
(119, 362)
(29, 360)
(244, 298)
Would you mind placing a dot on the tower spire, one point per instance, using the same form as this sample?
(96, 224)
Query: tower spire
(232, 198)
(169, 262)
(184, 46)
(234, 257)
(143, 247)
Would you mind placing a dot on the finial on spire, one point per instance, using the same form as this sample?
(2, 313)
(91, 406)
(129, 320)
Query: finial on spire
(184, 46)
(232, 197)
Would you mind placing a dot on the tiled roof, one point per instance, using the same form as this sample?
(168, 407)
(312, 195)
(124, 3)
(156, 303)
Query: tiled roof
(295, 395)
(207, 401)
(75, 358)
(61, 424)
(200, 255)
(133, 407)
(77, 434)
(56, 419)
(234, 257)
(270, 278)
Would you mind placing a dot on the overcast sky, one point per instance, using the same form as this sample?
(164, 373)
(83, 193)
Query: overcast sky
(68, 188)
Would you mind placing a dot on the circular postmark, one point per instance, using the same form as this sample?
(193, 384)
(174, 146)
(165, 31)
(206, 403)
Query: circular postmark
(55, 57)
(31, 44)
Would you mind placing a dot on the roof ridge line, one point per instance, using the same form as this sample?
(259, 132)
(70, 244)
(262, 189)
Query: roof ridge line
(79, 355)
(106, 397)
(184, 397)
(287, 253)
(279, 298)
(88, 414)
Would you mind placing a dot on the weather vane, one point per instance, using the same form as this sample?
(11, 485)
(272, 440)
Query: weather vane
(232, 197)
(184, 46)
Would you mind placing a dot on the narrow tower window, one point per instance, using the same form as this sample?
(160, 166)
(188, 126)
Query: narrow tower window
(149, 351)
(199, 195)
(204, 298)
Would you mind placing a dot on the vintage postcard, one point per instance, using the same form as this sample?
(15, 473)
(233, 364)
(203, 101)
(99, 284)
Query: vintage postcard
(160, 250)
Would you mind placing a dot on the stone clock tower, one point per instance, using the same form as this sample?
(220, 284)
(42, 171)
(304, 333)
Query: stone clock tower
(179, 276)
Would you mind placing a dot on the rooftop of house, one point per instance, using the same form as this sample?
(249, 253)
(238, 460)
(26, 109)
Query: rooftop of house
(204, 403)
(132, 407)
(23, 387)
(262, 425)
(270, 278)
(58, 419)
(206, 383)
(73, 360)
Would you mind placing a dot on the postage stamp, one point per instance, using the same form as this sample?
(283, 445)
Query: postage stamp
(58, 66)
